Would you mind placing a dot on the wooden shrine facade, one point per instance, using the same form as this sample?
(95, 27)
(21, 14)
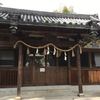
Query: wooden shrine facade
(33, 62)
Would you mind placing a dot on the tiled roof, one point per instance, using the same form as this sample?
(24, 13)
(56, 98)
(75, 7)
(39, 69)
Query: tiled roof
(29, 16)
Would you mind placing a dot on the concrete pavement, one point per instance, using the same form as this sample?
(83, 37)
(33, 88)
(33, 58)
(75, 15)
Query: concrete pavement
(60, 92)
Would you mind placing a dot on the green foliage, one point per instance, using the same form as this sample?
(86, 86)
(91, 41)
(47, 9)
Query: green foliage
(1, 4)
(64, 9)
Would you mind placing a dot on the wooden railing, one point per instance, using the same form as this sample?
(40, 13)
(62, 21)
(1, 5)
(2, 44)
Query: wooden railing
(8, 77)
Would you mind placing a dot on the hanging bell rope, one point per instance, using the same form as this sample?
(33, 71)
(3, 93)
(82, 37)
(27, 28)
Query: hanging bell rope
(50, 44)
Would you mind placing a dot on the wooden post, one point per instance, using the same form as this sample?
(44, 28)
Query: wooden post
(90, 60)
(20, 66)
(69, 68)
(79, 72)
(45, 69)
(34, 71)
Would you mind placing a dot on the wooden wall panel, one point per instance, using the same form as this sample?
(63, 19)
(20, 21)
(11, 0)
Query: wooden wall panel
(8, 77)
(74, 77)
(39, 77)
(88, 76)
(51, 75)
(62, 75)
(85, 77)
(94, 77)
(27, 76)
(89, 72)
(98, 76)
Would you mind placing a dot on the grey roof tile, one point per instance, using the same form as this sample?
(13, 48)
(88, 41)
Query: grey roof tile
(45, 17)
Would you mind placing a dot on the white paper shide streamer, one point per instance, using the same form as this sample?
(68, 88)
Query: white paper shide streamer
(54, 51)
(48, 50)
(65, 58)
(37, 51)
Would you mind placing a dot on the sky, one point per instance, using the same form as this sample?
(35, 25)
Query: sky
(79, 6)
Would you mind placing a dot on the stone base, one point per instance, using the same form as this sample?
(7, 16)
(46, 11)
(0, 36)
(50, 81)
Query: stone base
(17, 98)
(81, 95)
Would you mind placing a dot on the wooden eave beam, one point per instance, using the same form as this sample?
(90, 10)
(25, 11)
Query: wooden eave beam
(67, 34)
(53, 33)
(57, 43)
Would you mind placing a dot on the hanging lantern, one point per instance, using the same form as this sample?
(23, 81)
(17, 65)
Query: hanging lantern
(65, 58)
(54, 51)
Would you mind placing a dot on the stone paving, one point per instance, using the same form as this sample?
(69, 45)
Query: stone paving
(64, 92)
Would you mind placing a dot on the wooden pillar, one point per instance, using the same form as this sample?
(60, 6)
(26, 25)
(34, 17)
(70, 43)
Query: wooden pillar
(34, 70)
(20, 66)
(69, 68)
(79, 72)
(46, 82)
(90, 60)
